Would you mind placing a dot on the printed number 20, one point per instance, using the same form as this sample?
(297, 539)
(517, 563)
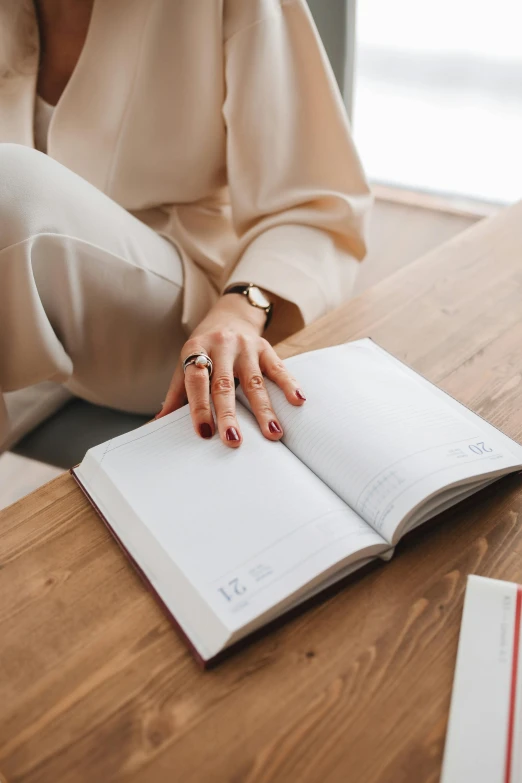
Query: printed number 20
(479, 448)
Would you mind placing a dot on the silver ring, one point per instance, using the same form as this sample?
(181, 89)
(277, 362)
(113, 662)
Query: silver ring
(199, 360)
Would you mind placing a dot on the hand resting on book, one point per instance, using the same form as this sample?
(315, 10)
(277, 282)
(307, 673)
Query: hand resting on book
(231, 336)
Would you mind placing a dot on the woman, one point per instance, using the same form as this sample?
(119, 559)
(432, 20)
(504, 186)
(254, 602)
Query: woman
(184, 148)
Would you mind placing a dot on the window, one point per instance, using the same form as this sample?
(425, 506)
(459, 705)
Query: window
(438, 95)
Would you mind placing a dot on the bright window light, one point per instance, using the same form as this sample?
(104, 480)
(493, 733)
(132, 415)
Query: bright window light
(438, 95)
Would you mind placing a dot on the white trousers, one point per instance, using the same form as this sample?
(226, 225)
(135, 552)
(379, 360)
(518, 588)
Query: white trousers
(90, 297)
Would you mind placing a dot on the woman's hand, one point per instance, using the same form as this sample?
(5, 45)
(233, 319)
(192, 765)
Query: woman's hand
(231, 335)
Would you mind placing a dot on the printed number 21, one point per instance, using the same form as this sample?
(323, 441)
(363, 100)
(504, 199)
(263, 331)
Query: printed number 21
(479, 448)
(233, 588)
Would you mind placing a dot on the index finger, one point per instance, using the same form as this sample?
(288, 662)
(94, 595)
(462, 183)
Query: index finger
(276, 370)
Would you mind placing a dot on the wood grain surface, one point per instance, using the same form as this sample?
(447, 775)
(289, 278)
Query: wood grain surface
(96, 686)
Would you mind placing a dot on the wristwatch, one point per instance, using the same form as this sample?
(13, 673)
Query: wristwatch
(254, 296)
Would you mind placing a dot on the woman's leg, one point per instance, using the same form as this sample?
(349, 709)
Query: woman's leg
(89, 296)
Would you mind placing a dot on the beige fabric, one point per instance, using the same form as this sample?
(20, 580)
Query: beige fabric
(219, 124)
(27, 408)
(43, 113)
(90, 297)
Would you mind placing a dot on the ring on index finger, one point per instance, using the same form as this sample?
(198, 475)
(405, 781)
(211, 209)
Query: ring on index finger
(200, 360)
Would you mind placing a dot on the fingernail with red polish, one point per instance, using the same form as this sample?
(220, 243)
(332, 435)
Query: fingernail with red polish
(275, 428)
(205, 430)
(231, 434)
(299, 394)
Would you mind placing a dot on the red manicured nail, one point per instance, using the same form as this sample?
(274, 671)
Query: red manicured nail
(274, 427)
(299, 394)
(231, 434)
(205, 430)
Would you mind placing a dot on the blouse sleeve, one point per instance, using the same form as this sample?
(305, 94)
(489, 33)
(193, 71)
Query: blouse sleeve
(299, 197)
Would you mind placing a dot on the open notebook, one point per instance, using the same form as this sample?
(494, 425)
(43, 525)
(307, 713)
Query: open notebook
(231, 539)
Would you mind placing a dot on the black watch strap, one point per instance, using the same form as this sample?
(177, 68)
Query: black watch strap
(243, 288)
(240, 288)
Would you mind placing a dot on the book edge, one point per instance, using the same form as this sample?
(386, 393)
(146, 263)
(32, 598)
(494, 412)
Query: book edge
(203, 662)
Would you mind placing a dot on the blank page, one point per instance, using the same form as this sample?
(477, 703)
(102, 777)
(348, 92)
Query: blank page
(248, 527)
(383, 438)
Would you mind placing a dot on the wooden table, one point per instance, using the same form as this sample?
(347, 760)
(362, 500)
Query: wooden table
(96, 686)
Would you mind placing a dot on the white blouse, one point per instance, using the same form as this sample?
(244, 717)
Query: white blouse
(43, 112)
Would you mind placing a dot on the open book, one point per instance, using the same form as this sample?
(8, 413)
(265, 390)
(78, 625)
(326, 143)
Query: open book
(231, 539)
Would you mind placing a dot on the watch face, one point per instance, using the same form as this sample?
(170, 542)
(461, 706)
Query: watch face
(257, 297)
